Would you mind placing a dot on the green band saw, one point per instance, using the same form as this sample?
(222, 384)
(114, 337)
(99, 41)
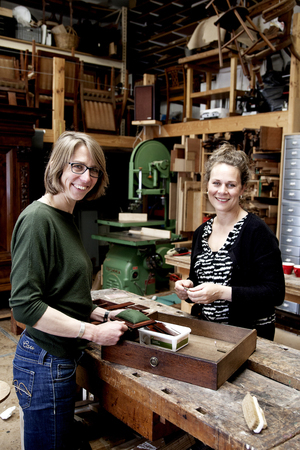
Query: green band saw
(135, 259)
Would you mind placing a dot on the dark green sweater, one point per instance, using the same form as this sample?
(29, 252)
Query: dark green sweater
(50, 267)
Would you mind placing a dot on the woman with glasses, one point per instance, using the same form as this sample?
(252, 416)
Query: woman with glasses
(51, 280)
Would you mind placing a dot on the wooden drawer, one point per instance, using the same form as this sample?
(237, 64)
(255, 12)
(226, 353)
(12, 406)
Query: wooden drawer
(292, 141)
(289, 194)
(290, 251)
(289, 230)
(291, 220)
(291, 209)
(290, 240)
(217, 351)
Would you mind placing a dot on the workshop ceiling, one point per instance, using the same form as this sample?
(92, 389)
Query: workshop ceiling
(157, 32)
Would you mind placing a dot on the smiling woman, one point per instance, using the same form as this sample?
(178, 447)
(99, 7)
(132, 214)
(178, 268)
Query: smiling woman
(51, 280)
(236, 274)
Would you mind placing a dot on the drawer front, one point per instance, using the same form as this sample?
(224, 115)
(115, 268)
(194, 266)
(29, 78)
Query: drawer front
(290, 209)
(292, 184)
(290, 251)
(292, 153)
(292, 163)
(288, 230)
(291, 220)
(292, 141)
(290, 307)
(291, 173)
(290, 240)
(291, 194)
(289, 258)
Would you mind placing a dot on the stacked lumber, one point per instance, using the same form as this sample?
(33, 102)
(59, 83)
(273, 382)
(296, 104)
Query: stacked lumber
(185, 195)
(182, 442)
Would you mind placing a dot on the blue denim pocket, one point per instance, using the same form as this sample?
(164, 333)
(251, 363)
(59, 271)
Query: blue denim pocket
(23, 383)
(65, 371)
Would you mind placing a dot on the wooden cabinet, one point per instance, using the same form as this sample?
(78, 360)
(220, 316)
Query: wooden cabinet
(16, 132)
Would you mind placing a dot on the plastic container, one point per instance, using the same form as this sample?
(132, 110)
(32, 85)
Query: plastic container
(166, 341)
(28, 33)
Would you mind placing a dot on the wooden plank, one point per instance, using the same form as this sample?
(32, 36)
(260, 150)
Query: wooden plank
(194, 145)
(230, 124)
(153, 232)
(172, 201)
(270, 138)
(192, 205)
(133, 217)
(6, 12)
(58, 88)
(277, 362)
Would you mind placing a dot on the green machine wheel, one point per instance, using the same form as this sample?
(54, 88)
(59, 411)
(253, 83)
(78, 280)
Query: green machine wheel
(150, 160)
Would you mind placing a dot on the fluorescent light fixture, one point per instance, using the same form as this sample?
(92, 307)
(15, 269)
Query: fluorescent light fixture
(198, 3)
(139, 24)
(158, 43)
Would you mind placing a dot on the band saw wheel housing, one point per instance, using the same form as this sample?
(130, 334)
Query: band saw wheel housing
(147, 152)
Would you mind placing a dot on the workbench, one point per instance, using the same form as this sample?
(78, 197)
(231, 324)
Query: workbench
(154, 405)
(292, 288)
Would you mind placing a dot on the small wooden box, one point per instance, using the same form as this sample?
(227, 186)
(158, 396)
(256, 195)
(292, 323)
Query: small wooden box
(214, 353)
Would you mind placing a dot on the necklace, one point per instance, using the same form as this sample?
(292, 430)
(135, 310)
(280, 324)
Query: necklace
(47, 200)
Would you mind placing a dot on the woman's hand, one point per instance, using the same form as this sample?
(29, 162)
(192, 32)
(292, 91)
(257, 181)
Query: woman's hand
(181, 288)
(114, 313)
(208, 292)
(108, 333)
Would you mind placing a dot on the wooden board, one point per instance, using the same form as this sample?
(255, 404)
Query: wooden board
(133, 217)
(153, 232)
(226, 349)
(4, 390)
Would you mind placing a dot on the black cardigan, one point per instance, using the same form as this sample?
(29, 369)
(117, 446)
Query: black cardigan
(257, 277)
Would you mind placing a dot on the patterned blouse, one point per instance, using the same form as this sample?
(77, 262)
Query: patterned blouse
(216, 267)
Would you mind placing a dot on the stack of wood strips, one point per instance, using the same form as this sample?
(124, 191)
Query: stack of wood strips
(185, 195)
(182, 442)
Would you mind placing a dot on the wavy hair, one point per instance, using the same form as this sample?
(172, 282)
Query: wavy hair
(227, 154)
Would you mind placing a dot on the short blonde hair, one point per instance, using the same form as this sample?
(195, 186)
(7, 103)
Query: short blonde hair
(227, 154)
(61, 154)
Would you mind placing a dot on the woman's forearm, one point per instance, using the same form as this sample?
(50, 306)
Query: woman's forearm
(57, 323)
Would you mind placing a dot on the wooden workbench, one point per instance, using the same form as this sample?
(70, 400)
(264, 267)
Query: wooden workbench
(292, 288)
(153, 405)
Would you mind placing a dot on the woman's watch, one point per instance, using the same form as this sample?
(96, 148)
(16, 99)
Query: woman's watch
(105, 318)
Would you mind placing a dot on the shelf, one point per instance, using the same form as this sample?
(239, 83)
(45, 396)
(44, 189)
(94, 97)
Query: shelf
(13, 43)
(214, 94)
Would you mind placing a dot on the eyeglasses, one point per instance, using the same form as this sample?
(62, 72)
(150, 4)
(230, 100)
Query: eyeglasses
(80, 169)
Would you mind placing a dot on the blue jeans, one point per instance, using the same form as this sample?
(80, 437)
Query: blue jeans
(46, 388)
